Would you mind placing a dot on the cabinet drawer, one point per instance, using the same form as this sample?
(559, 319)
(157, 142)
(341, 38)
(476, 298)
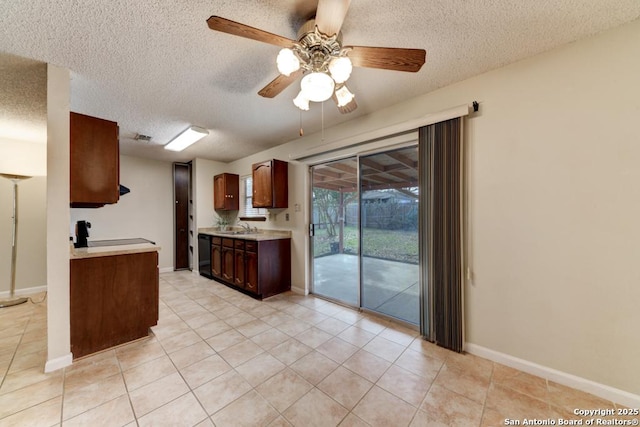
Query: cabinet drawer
(251, 246)
(227, 242)
(216, 240)
(239, 244)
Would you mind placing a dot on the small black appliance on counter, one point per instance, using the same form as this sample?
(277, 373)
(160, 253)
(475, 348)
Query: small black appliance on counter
(82, 232)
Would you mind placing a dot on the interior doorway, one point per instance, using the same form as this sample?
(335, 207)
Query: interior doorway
(181, 216)
(365, 240)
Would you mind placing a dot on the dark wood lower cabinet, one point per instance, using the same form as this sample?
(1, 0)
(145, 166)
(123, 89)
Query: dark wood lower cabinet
(239, 265)
(113, 300)
(251, 284)
(227, 260)
(216, 257)
(259, 268)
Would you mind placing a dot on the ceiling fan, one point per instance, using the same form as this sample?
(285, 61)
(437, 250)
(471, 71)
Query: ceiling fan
(320, 57)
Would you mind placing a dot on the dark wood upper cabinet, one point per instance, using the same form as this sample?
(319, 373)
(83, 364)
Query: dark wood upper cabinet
(95, 162)
(226, 192)
(270, 184)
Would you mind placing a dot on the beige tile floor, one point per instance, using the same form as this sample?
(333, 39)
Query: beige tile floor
(220, 358)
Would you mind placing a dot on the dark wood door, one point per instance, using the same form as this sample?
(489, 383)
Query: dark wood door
(227, 264)
(251, 279)
(94, 161)
(270, 184)
(216, 261)
(219, 195)
(262, 188)
(239, 265)
(181, 179)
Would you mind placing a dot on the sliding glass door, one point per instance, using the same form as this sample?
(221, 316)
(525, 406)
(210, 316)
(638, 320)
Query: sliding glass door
(389, 234)
(335, 223)
(365, 232)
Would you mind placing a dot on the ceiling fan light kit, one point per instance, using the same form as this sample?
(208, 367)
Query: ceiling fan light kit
(340, 69)
(301, 102)
(317, 86)
(320, 58)
(287, 62)
(344, 96)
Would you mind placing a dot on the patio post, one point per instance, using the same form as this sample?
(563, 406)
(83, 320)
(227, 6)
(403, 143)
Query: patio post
(341, 222)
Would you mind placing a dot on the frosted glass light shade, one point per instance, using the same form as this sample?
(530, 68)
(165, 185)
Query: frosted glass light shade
(186, 138)
(340, 69)
(301, 102)
(344, 96)
(287, 62)
(317, 87)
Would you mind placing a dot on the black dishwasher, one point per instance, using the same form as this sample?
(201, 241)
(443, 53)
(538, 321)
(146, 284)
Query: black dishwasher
(204, 255)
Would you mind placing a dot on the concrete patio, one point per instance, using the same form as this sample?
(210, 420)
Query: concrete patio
(388, 287)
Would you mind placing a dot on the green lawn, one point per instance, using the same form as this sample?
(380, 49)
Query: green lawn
(396, 245)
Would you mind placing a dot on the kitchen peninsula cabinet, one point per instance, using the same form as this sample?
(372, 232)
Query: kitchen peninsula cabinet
(270, 184)
(259, 266)
(113, 299)
(94, 162)
(226, 192)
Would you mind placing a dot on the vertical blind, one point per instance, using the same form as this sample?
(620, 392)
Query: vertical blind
(441, 151)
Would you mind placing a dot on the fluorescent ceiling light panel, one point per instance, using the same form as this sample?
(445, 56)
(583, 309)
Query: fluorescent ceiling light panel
(186, 138)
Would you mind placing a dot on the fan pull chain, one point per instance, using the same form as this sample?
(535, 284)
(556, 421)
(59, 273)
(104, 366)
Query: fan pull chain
(301, 130)
(322, 127)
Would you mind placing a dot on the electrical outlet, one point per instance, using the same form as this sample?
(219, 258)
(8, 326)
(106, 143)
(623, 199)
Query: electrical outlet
(286, 216)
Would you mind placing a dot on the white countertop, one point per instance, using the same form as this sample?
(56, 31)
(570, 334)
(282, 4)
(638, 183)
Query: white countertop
(258, 236)
(100, 251)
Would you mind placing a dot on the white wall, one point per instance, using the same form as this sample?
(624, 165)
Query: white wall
(57, 238)
(554, 205)
(147, 211)
(31, 266)
(24, 89)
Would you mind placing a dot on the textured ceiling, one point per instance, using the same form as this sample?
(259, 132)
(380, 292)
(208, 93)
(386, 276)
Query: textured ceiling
(155, 67)
(23, 99)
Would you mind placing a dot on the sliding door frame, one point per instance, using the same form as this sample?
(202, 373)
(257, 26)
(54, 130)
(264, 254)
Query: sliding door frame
(422, 253)
(311, 259)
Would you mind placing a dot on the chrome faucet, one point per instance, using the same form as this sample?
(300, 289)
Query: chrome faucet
(246, 227)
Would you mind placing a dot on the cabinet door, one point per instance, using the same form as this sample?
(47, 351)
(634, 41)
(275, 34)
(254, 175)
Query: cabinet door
(227, 264)
(262, 187)
(251, 279)
(226, 194)
(94, 161)
(219, 194)
(216, 261)
(239, 267)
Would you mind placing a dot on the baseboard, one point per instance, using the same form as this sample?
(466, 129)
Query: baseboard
(166, 270)
(58, 363)
(24, 291)
(299, 291)
(601, 390)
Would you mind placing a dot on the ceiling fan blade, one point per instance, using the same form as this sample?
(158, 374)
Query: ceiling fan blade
(387, 58)
(345, 109)
(279, 84)
(330, 15)
(237, 29)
